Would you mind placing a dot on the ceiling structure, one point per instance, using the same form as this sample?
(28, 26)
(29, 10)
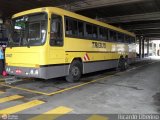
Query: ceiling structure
(139, 16)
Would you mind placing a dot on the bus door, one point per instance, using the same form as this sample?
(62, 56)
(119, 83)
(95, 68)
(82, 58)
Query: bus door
(56, 51)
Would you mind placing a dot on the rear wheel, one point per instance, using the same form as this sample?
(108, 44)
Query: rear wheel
(123, 64)
(75, 71)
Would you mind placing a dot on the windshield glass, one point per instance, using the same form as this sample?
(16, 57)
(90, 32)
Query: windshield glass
(29, 30)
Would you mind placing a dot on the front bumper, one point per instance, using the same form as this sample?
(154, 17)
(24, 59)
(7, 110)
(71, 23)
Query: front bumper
(23, 71)
(47, 72)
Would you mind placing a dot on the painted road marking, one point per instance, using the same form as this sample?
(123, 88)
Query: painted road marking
(97, 117)
(2, 79)
(73, 87)
(21, 107)
(53, 114)
(1, 92)
(24, 89)
(9, 98)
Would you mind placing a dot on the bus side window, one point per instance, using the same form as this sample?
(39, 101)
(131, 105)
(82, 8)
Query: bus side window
(71, 27)
(113, 36)
(127, 39)
(120, 37)
(80, 29)
(103, 33)
(95, 32)
(56, 36)
(89, 31)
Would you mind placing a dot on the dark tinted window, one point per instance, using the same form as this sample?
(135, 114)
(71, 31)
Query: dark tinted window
(71, 27)
(120, 37)
(80, 29)
(103, 33)
(132, 40)
(95, 32)
(127, 39)
(113, 36)
(88, 32)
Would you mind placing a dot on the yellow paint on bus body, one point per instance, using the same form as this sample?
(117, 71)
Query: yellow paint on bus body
(21, 107)
(53, 114)
(9, 98)
(72, 48)
(97, 117)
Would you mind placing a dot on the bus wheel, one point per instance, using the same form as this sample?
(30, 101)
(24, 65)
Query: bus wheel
(123, 64)
(75, 71)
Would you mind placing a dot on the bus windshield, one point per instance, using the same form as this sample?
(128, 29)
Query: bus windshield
(29, 30)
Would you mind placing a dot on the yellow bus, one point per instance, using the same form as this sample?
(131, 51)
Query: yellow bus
(51, 42)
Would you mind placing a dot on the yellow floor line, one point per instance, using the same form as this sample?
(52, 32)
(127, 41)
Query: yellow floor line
(97, 117)
(53, 114)
(21, 107)
(2, 79)
(9, 98)
(53, 93)
(77, 86)
(24, 89)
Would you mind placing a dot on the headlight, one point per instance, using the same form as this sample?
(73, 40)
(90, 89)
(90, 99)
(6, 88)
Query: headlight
(36, 72)
(8, 69)
(31, 72)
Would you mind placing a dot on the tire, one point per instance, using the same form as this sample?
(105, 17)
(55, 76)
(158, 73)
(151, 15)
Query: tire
(123, 64)
(75, 72)
(1, 67)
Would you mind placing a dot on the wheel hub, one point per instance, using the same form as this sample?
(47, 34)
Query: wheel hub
(75, 71)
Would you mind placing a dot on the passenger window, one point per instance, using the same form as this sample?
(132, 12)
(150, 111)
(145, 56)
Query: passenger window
(103, 33)
(120, 37)
(80, 29)
(127, 40)
(95, 32)
(132, 40)
(88, 31)
(71, 27)
(75, 28)
(56, 36)
(113, 36)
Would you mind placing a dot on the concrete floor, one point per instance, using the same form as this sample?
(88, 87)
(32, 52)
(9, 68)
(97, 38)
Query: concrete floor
(136, 90)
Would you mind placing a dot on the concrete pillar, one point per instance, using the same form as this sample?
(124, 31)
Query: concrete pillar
(143, 39)
(140, 47)
(148, 47)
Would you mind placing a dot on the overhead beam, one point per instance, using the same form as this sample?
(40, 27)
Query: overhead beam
(154, 38)
(133, 18)
(157, 31)
(88, 4)
(150, 35)
(142, 26)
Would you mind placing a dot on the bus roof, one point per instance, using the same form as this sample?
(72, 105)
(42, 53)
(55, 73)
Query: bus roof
(73, 15)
